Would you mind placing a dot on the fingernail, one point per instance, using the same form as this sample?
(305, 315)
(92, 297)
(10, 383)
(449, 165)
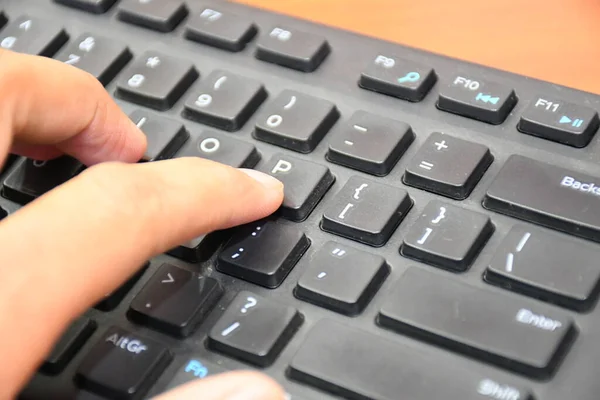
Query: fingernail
(264, 179)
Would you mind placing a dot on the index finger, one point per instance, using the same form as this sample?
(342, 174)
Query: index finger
(46, 102)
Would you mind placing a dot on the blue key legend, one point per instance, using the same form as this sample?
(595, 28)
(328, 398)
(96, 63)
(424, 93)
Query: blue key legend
(410, 77)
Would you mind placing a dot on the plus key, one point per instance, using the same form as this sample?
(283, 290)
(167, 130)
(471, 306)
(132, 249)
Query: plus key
(448, 166)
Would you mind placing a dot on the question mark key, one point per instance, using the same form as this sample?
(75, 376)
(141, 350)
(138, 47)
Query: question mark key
(405, 79)
(257, 335)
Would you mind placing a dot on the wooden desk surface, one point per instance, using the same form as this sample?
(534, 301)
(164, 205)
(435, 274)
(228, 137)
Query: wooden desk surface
(553, 40)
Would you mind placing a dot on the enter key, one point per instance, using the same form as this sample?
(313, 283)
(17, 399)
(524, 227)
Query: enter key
(548, 266)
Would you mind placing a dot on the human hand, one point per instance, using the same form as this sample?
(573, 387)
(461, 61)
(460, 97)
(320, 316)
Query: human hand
(64, 251)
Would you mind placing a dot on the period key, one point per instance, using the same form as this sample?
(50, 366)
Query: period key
(475, 98)
(553, 119)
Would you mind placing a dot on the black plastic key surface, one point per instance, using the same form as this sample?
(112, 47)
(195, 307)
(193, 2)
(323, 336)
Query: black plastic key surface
(302, 51)
(34, 36)
(175, 300)
(100, 56)
(93, 6)
(553, 267)
(122, 364)
(199, 249)
(370, 143)
(474, 97)
(254, 329)
(398, 77)
(357, 365)
(156, 80)
(341, 278)
(548, 195)
(164, 135)
(222, 149)
(305, 183)
(68, 345)
(554, 119)
(113, 299)
(295, 121)
(3, 19)
(263, 252)
(448, 166)
(225, 100)
(30, 179)
(159, 15)
(513, 332)
(194, 368)
(366, 211)
(220, 29)
(447, 236)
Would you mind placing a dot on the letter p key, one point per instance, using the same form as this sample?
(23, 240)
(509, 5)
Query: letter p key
(282, 166)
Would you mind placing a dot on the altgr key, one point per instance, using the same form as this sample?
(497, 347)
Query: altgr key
(476, 98)
(557, 120)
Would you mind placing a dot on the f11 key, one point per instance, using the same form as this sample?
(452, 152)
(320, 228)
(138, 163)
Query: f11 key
(562, 122)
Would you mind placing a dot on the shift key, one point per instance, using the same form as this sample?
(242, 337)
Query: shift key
(547, 195)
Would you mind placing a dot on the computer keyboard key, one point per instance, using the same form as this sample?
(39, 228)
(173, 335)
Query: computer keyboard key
(302, 51)
(354, 364)
(164, 135)
(366, 211)
(341, 278)
(510, 331)
(447, 236)
(34, 36)
(295, 121)
(473, 97)
(225, 100)
(398, 77)
(560, 121)
(93, 6)
(194, 368)
(68, 345)
(175, 300)
(548, 266)
(305, 183)
(159, 15)
(220, 29)
(448, 166)
(548, 195)
(156, 80)
(113, 299)
(100, 56)
(369, 143)
(198, 249)
(30, 179)
(122, 364)
(3, 19)
(222, 149)
(263, 252)
(254, 329)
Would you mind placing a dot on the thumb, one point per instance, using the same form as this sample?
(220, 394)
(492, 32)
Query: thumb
(239, 385)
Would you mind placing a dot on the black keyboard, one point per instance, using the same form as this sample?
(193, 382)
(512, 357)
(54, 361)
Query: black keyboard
(438, 237)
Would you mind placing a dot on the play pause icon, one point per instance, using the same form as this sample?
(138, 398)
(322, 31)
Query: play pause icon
(576, 123)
